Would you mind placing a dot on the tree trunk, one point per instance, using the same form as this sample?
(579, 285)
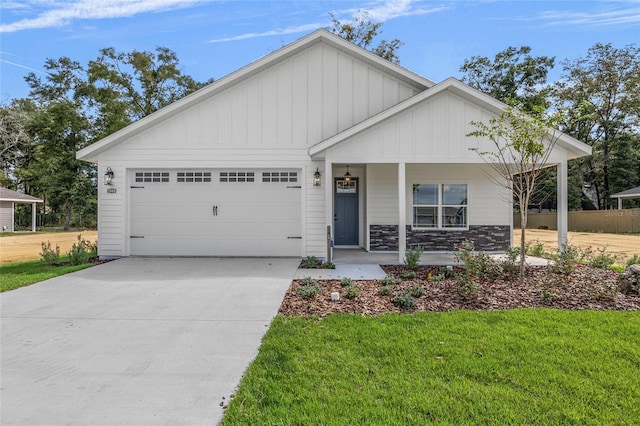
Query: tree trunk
(67, 217)
(523, 249)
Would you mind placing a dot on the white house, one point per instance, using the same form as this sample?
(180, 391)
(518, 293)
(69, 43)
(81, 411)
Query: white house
(254, 164)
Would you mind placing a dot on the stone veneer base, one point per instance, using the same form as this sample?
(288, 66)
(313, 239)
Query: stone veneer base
(485, 237)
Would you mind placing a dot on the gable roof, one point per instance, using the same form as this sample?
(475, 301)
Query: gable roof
(629, 193)
(7, 194)
(318, 36)
(574, 146)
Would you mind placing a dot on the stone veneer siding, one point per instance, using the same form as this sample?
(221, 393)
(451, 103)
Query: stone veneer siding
(485, 237)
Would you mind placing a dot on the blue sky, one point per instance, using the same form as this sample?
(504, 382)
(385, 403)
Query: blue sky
(213, 38)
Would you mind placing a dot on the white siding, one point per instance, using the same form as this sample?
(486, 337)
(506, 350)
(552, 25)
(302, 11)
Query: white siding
(433, 131)
(382, 194)
(6, 216)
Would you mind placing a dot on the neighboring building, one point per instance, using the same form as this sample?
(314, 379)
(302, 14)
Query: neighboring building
(8, 200)
(231, 170)
(628, 194)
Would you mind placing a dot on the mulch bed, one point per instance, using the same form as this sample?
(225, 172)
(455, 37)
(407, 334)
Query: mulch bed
(585, 288)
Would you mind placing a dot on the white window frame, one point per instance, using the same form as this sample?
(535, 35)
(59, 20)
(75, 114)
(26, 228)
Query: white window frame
(440, 208)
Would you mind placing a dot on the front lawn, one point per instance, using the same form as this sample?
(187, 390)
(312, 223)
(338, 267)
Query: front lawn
(523, 366)
(16, 275)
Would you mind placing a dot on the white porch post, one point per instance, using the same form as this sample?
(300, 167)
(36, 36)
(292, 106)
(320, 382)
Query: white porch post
(563, 205)
(328, 201)
(33, 217)
(402, 212)
(619, 203)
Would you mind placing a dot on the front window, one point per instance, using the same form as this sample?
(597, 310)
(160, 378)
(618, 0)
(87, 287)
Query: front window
(437, 205)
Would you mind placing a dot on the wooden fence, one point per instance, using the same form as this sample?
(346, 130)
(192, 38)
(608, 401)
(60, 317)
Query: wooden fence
(626, 220)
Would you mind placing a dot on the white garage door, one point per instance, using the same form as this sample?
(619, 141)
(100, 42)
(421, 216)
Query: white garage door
(216, 213)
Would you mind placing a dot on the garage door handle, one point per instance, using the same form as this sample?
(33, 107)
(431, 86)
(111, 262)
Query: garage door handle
(137, 236)
(215, 210)
(294, 238)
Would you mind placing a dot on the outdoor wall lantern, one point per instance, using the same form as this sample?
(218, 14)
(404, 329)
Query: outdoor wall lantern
(347, 176)
(108, 176)
(316, 178)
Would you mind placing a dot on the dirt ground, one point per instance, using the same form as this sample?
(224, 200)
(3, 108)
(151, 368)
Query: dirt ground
(623, 246)
(27, 245)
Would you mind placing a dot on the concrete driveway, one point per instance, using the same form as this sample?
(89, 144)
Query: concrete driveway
(137, 341)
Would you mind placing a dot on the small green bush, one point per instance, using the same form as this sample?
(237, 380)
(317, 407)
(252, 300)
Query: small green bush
(311, 262)
(328, 265)
(384, 291)
(535, 250)
(389, 280)
(48, 255)
(346, 282)
(566, 261)
(407, 275)
(412, 257)
(352, 292)
(309, 288)
(602, 259)
(438, 277)
(633, 260)
(404, 299)
(82, 251)
(510, 264)
(416, 291)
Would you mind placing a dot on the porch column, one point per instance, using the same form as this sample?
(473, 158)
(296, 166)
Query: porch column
(33, 217)
(563, 205)
(328, 200)
(402, 212)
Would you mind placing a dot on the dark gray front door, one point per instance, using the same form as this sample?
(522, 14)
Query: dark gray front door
(345, 224)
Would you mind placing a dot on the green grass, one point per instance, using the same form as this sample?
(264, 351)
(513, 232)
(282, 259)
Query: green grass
(16, 275)
(533, 366)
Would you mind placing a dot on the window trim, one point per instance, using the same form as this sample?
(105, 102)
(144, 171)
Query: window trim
(440, 206)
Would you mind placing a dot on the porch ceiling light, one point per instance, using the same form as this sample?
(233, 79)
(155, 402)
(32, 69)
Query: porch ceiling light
(108, 177)
(316, 178)
(347, 176)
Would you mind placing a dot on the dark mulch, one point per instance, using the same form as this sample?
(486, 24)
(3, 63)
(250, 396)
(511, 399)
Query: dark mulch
(585, 288)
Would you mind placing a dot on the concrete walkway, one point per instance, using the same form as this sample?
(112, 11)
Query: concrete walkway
(137, 341)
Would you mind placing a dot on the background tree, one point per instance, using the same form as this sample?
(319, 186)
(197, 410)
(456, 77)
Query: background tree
(362, 32)
(124, 87)
(521, 143)
(59, 127)
(607, 80)
(16, 145)
(513, 74)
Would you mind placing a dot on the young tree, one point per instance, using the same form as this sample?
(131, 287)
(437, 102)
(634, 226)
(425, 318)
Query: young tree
(520, 146)
(362, 32)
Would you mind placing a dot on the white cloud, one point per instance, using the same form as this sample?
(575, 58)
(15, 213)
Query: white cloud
(380, 11)
(63, 12)
(626, 15)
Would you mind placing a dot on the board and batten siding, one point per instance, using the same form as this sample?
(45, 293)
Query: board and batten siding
(6, 216)
(432, 131)
(488, 202)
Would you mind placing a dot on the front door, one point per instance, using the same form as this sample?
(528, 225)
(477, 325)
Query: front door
(345, 223)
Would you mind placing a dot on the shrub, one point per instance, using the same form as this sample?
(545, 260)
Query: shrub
(412, 257)
(389, 280)
(48, 255)
(328, 265)
(416, 291)
(510, 264)
(309, 288)
(346, 282)
(404, 299)
(352, 292)
(407, 275)
(438, 277)
(476, 268)
(81, 251)
(384, 291)
(634, 260)
(311, 262)
(566, 261)
(602, 259)
(535, 250)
